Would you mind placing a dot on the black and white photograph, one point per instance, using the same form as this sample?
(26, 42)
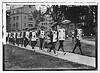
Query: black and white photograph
(49, 37)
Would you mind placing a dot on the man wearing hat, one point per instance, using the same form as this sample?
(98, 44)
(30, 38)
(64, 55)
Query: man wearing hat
(41, 37)
(78, 39)
(14, 39)
(77, 44)
(61, 38)
(22, 38)
(18, 37)
(54, 39)
(26, 37)
(33, 37)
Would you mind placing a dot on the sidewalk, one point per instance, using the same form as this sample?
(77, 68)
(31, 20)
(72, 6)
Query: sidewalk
(89, 61)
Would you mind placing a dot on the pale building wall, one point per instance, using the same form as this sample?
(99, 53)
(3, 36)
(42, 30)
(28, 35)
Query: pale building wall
(14, 22)
(23, 18)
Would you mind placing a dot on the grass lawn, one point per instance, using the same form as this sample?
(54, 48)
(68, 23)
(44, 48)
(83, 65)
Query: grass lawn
(88, 50)
(20, 59)
(89, 38)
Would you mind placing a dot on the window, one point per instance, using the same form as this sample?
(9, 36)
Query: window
(24, 17)
(17, 17)
(17, 11)
(14, 18)
(14, 24)
(30, 25)
(9, 25)
(30, 19)
(25, 24)
(42, 23)
(13, 12)
(9, 18)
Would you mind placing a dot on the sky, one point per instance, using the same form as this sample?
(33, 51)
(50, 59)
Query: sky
(43, 8)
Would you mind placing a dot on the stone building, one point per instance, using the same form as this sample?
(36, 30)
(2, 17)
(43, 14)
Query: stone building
(21, 18)
(47, 23)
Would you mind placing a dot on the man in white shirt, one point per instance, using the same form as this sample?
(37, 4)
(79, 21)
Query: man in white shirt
(33, 37)
(61, 38)
(26, 37)
(18, 37)
(14, 39)
(41, 37)
(22, 38)
(78, 41)
(54, 39)
(7, 34)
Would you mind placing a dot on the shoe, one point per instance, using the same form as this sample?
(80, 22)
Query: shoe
(73, 52)
(56, 54)
(34, 50)
(64, 53)
(82, 53)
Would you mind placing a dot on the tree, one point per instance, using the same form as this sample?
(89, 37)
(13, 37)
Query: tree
(38, 16)
(74, 14)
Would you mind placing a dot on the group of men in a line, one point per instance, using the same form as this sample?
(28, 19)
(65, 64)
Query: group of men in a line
(32, 35)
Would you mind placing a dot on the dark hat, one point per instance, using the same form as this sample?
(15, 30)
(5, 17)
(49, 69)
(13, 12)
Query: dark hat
(33, 28)
(26, 28)
(42, 27)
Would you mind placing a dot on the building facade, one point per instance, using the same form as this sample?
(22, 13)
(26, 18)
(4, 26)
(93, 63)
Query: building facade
(47, 23)
(21, 18)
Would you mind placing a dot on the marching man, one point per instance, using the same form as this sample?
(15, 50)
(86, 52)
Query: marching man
(33, 37)
(73, 36)
(41, 37)
(61, 38)
(14, 37)
(18, 37)
(26, 37)
(9, 37)
(54, 39)
(78, 39)
(22, 38)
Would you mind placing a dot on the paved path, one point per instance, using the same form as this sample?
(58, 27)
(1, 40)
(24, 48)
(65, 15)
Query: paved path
(89, 61)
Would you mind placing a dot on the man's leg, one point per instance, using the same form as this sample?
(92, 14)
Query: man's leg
(25, 42)
(21, 41)
(59, 46)
(63, 47)
(35, 42)
(80, 48)
(32, 44)
(53, 46)
(74, 48)
(18, 41)
(41, 42)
